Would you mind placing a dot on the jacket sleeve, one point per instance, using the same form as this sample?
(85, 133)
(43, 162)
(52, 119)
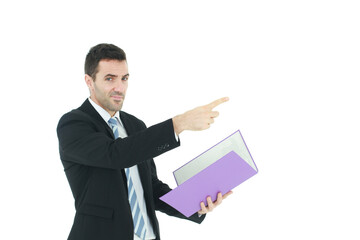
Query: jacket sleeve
(82, 141)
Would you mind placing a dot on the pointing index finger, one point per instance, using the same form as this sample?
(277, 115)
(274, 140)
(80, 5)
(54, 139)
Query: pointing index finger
(217, 102)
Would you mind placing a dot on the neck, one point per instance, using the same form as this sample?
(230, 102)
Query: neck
(112, 113)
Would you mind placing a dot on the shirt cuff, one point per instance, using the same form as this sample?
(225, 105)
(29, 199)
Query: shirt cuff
(176, 137)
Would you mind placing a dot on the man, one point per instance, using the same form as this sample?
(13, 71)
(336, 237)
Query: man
(108, 156)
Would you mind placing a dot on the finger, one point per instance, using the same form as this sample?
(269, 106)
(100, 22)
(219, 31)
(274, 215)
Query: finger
(217, 102)
(210, 121)
(210, 204)
(206, 126)
(214, 114)
(219, 199)
(201, 212)
(203, 208)
(227, 194)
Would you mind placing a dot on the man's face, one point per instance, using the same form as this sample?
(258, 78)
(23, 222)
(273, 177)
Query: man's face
(110, 85)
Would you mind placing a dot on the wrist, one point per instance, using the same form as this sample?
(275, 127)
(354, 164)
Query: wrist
(177, 123)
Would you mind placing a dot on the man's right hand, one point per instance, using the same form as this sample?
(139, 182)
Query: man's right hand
(198, 118)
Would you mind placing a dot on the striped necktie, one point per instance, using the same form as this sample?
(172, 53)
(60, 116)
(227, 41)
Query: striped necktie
(138, 219)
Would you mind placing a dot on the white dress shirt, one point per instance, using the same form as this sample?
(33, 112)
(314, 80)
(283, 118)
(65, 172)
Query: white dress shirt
(134, 172)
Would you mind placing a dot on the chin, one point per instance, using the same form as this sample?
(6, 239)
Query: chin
(118, 107)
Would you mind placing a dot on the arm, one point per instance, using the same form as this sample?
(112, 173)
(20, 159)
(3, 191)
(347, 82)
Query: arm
(196, 119)
(84, 142)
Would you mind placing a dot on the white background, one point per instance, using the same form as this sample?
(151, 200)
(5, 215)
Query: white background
(290, 68)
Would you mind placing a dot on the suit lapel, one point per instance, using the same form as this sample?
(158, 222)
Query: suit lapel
(143, 167)
(128, 125)
(87, 108)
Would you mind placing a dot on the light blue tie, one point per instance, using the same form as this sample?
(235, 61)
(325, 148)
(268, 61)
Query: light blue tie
(138, 219)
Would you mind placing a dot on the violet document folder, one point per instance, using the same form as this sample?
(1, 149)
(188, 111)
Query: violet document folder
(219, 169)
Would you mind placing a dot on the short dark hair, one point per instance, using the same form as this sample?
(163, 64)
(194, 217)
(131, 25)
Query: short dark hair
(100, 52)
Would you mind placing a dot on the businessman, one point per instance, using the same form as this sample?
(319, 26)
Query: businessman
(108, 154)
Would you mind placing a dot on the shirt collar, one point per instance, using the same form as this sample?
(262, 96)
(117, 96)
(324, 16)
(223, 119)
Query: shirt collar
(104, 114)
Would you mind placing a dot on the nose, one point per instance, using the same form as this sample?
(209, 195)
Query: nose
(120, 86)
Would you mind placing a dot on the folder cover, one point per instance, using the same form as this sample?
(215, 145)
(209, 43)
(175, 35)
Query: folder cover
(219, 169)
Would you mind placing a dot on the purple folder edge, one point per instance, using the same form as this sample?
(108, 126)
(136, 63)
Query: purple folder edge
(214, 146)
(222, 176)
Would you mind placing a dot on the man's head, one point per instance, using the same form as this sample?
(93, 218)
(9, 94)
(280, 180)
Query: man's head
(106, 75)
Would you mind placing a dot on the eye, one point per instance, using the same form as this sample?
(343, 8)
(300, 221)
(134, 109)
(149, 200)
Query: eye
(125, 78)
(109, 79)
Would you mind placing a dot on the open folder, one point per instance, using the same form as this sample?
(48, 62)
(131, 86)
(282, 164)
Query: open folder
(219, 169)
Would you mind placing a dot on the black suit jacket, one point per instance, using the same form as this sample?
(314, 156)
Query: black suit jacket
(94, 165)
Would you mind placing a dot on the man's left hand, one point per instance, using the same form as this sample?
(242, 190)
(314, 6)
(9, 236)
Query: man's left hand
(211, 204)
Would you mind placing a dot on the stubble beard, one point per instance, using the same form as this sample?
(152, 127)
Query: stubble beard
(109, 103)
(114, 107)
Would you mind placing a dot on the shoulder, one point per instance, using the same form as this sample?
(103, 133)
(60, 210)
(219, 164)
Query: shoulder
(73, 115)
(76, 117)
(85, 113)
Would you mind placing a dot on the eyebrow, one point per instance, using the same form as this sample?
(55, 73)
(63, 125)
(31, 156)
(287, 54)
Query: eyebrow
(113, 75)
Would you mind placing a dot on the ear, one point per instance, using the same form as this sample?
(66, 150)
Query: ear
(89, 82)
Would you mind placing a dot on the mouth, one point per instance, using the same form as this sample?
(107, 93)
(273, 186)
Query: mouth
(117, 98)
